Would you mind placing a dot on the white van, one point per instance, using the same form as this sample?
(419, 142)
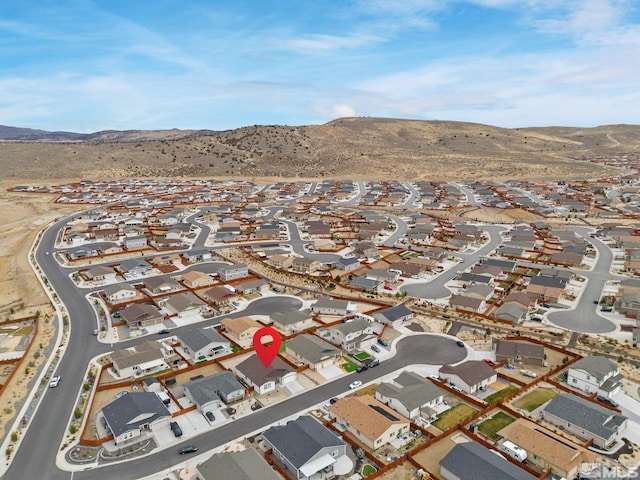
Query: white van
(514, 451)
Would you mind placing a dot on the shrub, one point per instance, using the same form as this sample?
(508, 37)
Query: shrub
(73, 429)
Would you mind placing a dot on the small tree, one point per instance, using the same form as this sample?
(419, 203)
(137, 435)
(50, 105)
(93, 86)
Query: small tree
(14, 437)
(77, 413)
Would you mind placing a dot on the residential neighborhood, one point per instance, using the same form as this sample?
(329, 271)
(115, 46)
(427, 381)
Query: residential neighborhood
(413, 343)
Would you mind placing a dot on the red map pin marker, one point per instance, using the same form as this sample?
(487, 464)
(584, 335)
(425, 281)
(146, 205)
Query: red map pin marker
(267, 353)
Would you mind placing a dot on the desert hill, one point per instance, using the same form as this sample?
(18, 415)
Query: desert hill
(344, 148)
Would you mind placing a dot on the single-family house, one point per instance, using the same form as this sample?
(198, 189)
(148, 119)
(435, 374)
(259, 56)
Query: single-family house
(119, 293)
(241, 329)
(100, 273)
(310, 349)
(368, 285)
(394, 316)
(595, 374)
(347, 263)
(197, 279)
(372, 422)
(131, 415)
(469, 304)
(141, 315)
(160, 285)
(251, 286)
(356, 334)
(470, 460)
(264, 380)
(411, 395)
(233, 271)
(291, 322)
(305, 265)
(518, 351)
(209, 392)
(332, 306)
(220, 295)
(145, 358)
(547, 450)
(246, 464)
(306, 449)
(185, 304)
(585, 419)
(201, 344)
(470, 376)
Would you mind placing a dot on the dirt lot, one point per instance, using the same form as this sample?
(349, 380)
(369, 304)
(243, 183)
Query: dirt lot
(430, 457)
(403, 471)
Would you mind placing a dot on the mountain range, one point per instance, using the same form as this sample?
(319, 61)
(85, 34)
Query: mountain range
(355, 148)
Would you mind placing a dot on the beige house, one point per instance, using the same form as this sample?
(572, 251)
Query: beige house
(196, 279)
(241, 329)
(370, 421)
(546, 449)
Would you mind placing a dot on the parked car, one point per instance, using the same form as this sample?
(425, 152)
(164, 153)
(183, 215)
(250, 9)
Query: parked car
(607, 401)
(375, 348)
(54, 381)
(606, 309)
(355, 384)
(163, 331)
(489, 362)
(95, 331)
(333, 400)
(210, 416)
(121, 394)
(175, 428)
(383, 342)
(460, 343)
(373, 363)
(256, 406)
(361, 368)
(188, 449)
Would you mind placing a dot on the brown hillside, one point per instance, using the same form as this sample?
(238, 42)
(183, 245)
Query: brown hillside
(373, 148)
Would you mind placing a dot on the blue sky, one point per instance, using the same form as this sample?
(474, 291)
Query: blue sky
(93, 65)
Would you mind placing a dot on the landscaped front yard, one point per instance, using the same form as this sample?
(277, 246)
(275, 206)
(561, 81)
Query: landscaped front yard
(348, 365)
(495, 424)
(534, 399)
(362, 356)
(454, 416)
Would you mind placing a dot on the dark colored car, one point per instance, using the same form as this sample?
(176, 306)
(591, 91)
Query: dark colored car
(256, 406)
(333, 400)
(361, 368)
(460, 343)
(210, 416)
(375, 349)
(188, 449)
(383, 342)
(373, 363)
(606, 309)
(175, 428)
(164, 330)
(607, 401)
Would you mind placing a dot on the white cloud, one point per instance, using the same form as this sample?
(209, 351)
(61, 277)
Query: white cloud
(327, 43)
(339, 111)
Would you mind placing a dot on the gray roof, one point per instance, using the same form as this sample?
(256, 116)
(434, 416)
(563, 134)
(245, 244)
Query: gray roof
(326, 302)
(351, 326)
(218, 386)
(472, 461)
(254, 370)
(364, 283)
(197, 338)
(596, 365)
(234, 266)
(184, 301)
(393, 313)
(554, 282)
(132, 410)
(470, 372)
(245, 465)
(587, 415)
(116, 287)
(141, 353)
(299, 440)
(511, 312)
(289, 318)
(312, 348)
(412, 390)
